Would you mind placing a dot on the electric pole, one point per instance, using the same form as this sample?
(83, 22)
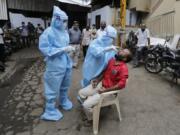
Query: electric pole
(123, 21)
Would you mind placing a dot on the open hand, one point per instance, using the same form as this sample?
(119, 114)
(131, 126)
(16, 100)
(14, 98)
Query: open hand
(102, 90)
(94, 83)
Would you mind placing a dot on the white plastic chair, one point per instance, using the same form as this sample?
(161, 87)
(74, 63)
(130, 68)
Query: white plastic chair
(107, 99)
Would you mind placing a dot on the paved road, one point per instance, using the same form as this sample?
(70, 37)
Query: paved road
(149, 106)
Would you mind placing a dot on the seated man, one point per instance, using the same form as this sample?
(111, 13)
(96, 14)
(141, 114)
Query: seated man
(113, 78)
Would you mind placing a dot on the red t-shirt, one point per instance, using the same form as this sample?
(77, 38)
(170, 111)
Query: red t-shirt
(115, 74)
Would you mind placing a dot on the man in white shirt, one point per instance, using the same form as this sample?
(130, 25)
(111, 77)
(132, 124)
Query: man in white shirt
(39, 30)
(24, 34)
(101, 31)
(1, 36)
(143, 36)
(86, 38)
(93, 32)
(2, 50)
(75, 36)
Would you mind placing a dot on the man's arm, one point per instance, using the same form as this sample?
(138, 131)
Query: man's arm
(100, 77)
(148, 41)
(81, 37)
(1, 32)
(121, 84)
(148, 37)
(102, 90)
(137, 32)
(97, 80)
(69, 31)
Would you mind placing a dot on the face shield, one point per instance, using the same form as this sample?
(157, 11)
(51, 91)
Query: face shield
(65, 24)
(59, 23)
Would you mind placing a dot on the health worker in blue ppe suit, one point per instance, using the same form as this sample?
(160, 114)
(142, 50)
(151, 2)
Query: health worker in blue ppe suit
(100, 51)
(53, 44)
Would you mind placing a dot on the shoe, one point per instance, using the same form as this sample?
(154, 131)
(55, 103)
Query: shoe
(135, 66)
(81, 100)
(51, 113)
(5, 65)
(88, 123)
(141, 61)
(64, 101)
(66, 104)
(74, 66)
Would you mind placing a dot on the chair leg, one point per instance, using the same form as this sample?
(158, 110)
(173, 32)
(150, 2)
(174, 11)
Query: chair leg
(96, 112)
(118, 110)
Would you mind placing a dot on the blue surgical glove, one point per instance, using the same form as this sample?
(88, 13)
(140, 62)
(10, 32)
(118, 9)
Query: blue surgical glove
(112, 47)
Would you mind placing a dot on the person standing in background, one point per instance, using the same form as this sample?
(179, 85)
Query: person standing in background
(101, 31)
(93, 32)
(39, 30)
(2, 49)
(75, 40)
(86, 38)
(31, 33)
(24, 34)
(143, 36)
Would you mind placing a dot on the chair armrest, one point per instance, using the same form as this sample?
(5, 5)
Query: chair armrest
(110, 93)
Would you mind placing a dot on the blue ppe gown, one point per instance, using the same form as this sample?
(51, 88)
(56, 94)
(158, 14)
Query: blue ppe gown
(57, 76)
(97, 57)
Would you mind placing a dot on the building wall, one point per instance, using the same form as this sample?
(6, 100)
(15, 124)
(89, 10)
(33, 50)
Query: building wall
(143, 5)
(140, 5)
(31, 5)
(154, 4)
(132, 4)
(162, 21)
(16, 20)
(107, 14)
(177, 18)
(163, 25)
(131, 17)
(3, 10)
(165, 7)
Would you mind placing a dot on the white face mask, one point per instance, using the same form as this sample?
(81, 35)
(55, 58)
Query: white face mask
(65, 24)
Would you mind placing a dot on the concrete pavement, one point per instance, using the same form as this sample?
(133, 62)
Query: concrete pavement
(149, 106)
(15, 59)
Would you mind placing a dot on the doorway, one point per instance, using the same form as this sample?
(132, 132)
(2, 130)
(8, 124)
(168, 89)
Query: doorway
(98, 21)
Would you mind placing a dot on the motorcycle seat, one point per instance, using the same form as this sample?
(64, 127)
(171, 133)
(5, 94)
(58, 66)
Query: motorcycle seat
(175, 65)
(177, 58)
(177, 52)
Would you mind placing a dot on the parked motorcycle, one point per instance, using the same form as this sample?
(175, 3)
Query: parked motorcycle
(131, 42)
(2, 68)
(8, 48)
(164, 58)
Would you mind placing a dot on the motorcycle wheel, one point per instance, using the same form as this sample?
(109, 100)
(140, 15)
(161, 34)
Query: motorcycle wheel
(2, 69)
(153, 66)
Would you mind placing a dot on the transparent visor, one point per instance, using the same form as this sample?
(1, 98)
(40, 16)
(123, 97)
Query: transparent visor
(59, 18)
(65, 22)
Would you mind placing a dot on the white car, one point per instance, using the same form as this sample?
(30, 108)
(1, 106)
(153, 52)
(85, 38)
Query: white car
(175, 44)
